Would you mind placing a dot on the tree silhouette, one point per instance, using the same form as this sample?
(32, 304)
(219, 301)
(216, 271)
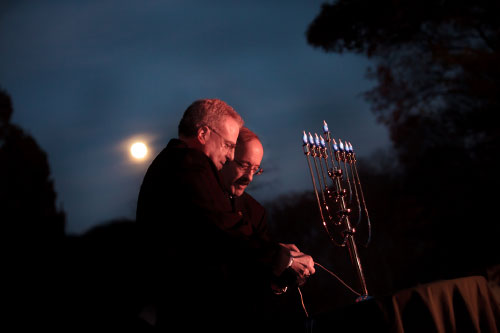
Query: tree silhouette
(438, 75)
(32, 226)
(437, 64)
(27, 196)
(437, 67)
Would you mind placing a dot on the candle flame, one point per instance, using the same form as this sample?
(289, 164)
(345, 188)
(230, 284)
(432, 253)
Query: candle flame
(304, 138)
(325, 126)
(311, 140)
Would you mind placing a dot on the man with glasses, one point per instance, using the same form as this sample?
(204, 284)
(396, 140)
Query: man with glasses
(236, 175)
(192, 236)
(184, 217)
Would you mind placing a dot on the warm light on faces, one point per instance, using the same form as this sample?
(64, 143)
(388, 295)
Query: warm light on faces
(218, 142)
(235, 178)
(138, 150)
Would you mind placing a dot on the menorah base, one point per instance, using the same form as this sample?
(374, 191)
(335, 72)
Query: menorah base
(363, 298)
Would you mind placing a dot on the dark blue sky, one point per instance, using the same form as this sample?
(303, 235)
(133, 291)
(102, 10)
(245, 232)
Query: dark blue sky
(88, 77)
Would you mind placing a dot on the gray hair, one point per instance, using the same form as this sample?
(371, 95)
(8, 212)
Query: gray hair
(206, 112)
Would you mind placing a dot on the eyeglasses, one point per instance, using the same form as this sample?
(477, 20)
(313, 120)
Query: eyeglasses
(247, 167)
(228, 145)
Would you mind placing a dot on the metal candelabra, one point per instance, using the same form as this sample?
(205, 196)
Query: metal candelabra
(336, 182)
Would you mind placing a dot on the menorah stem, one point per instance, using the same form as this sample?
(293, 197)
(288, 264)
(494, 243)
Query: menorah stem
(351, 244)
(353, 253)
(332, 151)
(307, 153)
(363, 201)
(356, 181)
(322, 172)
(348, 180)
(319, 178)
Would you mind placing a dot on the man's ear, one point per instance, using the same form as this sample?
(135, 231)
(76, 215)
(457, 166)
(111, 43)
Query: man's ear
(202, 134)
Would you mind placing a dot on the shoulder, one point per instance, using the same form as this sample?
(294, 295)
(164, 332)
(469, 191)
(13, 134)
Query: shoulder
(178, 164)
(177, 155)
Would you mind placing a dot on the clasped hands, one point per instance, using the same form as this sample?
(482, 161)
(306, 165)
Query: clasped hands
(302, 264)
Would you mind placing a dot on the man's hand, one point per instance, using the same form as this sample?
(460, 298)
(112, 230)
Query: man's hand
(291, 247)
(302, 264)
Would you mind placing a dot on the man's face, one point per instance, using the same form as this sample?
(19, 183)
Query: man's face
(238, 174)
(220, 144)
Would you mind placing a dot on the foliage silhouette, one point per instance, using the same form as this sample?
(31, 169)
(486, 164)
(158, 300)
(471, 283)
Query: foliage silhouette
(27, 195)
(32, 226)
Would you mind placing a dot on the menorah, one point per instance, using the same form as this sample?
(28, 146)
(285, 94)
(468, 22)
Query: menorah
(337, 164)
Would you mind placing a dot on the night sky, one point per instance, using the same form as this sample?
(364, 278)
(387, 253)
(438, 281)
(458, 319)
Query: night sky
(87, 78)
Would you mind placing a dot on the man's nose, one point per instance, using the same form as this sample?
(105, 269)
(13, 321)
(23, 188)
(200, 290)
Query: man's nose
(230, 154)
(250, 175)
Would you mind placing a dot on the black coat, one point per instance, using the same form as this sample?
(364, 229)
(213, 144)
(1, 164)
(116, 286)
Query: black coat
(207, 264)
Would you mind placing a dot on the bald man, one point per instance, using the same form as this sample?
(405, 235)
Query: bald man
(236, 175)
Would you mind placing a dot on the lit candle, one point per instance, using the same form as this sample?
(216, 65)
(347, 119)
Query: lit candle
(325, 127)
(311, 140)
(304, 138)
(322, 141)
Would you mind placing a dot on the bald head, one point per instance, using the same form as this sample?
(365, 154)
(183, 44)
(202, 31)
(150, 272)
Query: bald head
(238, 174)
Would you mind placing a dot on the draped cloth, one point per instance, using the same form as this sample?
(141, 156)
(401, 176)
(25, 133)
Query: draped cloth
(463, 304)
(459, 305)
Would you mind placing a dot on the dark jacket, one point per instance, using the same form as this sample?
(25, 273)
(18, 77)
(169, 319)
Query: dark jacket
(206, 262)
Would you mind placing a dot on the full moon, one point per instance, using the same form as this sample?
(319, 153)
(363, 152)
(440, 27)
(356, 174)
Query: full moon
(138, 150)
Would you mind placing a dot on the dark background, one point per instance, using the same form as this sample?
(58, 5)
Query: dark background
(89, 78)
(431, 195)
